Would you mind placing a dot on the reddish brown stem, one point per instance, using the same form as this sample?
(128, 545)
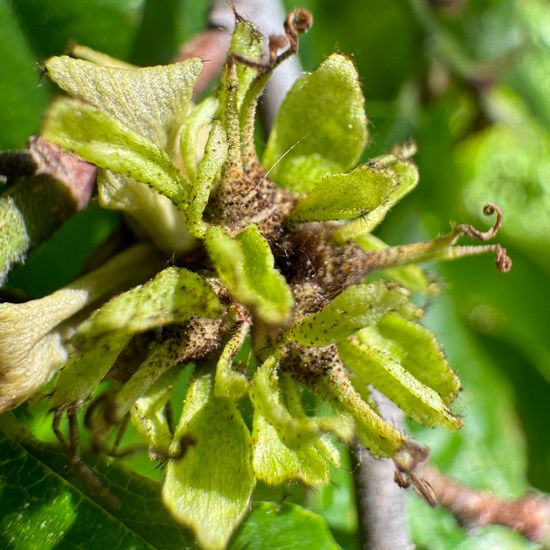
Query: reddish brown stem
(528, 515)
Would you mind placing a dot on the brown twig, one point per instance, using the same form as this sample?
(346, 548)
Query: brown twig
(528, 515)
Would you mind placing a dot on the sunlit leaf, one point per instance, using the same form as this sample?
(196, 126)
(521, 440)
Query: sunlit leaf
(210, 488)
(102, 140)
(45, 504)
(148, 412)
(346, 196)
(418, 350)
(369, 358)
(406, 177)
(245, 265)
(209, 169)
(286, 526)
(152, 101)
(276, 462)
(171, 297)
(322, 116)
(355, 308)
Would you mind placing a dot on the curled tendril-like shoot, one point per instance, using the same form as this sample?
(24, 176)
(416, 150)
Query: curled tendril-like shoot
(471, 231)
(503, 261)
(443, 248)
(297, 22)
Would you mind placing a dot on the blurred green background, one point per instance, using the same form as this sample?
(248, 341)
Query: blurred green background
(469, 81)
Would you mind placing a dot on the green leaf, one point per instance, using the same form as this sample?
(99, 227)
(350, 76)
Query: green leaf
(151, 101)
(45, 504)
(173, 296)
(265, 394)
(322, 116)
(210, 488)
(285, 527)
(245, 265)
(229, 382)
(406, 177)
(148, 412)
(376, 434)
(248, 42)
(291, 446)
(161, 357)
(418, 350)
(22, 100)
(148, 212)
(491, 438)
(79, 51)
(276, 462)
(355, 308)
(294, 428)
(209, 171)
(84, 369)
(345, 196)
(191, 130)
(102, 140)
(368, 356)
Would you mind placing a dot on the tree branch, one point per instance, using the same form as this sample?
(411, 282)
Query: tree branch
(51, 185)
(528, 515)
(381, 503)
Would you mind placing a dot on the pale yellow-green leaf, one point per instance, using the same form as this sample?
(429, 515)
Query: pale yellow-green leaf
(296, 431)
(246, 265)
(98, 58)
(31, 349)
(367, 356)
(346, 196)
(209, 172)
(152, 101)
(101, 139)
(355, 308)
(275, 462)
(420, 354)
(160, 358)
(173, 296)
(209, 489)
(247, 42)
(193, 134)
(149, 214)
(377, 435)
(405, 176)
(323, 114)
(229, 382)
(85, 369)
(148, 412)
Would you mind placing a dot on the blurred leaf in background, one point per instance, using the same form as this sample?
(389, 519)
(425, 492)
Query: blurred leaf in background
(469, 81)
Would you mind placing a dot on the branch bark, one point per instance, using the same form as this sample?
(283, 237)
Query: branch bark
(528, 515)
(381, 503)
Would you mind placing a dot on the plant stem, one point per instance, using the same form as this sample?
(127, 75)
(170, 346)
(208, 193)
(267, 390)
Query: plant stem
(380, 502)
(529, 515)
(53, 185)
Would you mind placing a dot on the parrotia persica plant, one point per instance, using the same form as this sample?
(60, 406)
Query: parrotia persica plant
(276, 287)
